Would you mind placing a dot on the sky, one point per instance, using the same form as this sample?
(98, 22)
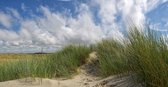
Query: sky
(32, 25)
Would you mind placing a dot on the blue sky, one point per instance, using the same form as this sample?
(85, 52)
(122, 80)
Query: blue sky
(29, 25)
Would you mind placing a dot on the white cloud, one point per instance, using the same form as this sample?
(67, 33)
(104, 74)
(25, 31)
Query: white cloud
(133, 10)
(56, 29)
(5, 20)
(107, 13)
(8, 35)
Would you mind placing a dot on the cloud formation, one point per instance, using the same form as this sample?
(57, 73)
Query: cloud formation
(5, 20)
(55, 29)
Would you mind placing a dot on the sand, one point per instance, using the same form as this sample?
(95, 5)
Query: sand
(37, 82)
(80, 80)
(77, 81)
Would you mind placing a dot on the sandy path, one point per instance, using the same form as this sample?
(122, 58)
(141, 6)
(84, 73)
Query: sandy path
(80, 80)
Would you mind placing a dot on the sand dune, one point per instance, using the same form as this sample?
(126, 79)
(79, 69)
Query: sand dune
(85, 78)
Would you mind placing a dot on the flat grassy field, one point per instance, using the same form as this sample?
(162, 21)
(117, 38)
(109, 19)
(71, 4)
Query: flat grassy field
(13, 57)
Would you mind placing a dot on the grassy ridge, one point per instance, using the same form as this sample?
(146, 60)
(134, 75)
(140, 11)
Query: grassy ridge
(145, 55)
(66, 61)
(62, 63)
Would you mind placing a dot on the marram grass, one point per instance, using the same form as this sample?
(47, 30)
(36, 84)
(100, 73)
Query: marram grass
(144, 55)
(60, 64)
(148, 56)
(111, 57)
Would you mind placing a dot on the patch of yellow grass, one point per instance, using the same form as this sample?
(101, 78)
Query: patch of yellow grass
(9, 57)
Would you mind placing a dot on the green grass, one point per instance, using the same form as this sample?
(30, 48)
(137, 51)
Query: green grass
(63, 63)
(18, 68)
(145, 55)
(148, 56)
(111, 57)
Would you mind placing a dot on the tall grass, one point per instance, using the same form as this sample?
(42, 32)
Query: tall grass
(18, 68)
(148, 56)
(111, 57)
(65, 62)
(60, 64)
(145, 55)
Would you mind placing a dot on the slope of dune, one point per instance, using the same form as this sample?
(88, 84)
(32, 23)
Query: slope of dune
(80, 80)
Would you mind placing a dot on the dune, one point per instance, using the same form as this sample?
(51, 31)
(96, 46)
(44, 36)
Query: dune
(86, 77)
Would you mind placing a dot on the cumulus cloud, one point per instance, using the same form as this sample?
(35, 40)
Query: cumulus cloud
(110, 10)
(56, 29)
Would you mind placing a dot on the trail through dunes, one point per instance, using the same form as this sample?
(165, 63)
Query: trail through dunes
(85, 78)
(77, 81)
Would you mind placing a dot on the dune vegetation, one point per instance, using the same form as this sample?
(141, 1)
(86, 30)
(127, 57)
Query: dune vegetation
(144, 55)
(59, 64)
